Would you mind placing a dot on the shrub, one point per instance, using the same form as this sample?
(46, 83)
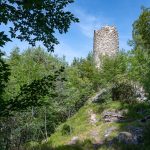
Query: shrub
(66, 129)
(124, 92)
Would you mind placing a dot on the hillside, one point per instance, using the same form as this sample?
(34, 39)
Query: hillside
(111, 125)
(86, 90)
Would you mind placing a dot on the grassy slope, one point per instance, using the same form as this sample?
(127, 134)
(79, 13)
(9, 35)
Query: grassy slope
(81, 127)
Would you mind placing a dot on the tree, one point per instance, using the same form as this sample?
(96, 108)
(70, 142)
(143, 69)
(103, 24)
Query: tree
(141, 39)
(29, 120)
(88, 70)
(3, 74)
(34, 20)
(4, 77)
(141, 30)
(30, 103)
(114, 69)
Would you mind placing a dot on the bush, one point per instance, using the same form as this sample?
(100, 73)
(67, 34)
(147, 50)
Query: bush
(66, 129)
(124, 92)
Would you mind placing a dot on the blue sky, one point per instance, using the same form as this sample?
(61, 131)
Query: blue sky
(93, 14)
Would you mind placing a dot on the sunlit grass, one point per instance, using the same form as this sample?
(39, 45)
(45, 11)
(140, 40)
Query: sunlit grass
(82, 128)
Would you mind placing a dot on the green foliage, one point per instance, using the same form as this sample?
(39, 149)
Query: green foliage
(33, 92)
(46, 91)
(43, 91)
(66, 129)
(88, 70)
(114, 69)
(35, 75)
(124, 92)
(35, 20)
(141, 30)
(30, 94)
(31, 84)
(83, 129)
(117, 73)
(4, 74)
(125, 73)
(141, 38)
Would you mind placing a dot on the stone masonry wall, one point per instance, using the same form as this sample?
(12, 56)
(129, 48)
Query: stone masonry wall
(105, 43)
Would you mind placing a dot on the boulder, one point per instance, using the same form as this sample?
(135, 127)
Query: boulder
(125, 137)
(93, 117)
(134, 135)
(74, 140)
(137, 133)
(113, 116)
(109, 131)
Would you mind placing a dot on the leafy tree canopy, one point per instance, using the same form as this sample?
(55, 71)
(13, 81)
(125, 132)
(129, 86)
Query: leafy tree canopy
(4, 74)
(31, 21)
(34, 20)
(141, 30)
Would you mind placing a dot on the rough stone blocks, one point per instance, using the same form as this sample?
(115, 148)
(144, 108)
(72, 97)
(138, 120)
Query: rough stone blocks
(105, 43)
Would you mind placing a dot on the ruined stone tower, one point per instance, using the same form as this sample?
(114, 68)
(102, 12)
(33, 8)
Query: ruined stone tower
(105, 43)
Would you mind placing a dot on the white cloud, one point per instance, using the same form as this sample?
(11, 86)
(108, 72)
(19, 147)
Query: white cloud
(89, 23)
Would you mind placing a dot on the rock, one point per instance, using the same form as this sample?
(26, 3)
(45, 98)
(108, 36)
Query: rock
(93, 117)
(113, 116)
(125, 137)
(134, 135)
(135, 91)
(74, 140)
(95, 136)
(145, 119)
(129, 91)
(100, 96)
(140, 92)
(137, 133)
(109, 131)
(94, 133)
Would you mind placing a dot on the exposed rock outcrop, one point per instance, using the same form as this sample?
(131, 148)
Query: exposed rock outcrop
(124, 91)
(109, 131)
(113, 116)
(93, 118)
(134, 135)
(74, 140)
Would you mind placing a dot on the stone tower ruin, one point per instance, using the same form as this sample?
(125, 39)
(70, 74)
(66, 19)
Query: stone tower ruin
(105, 43)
